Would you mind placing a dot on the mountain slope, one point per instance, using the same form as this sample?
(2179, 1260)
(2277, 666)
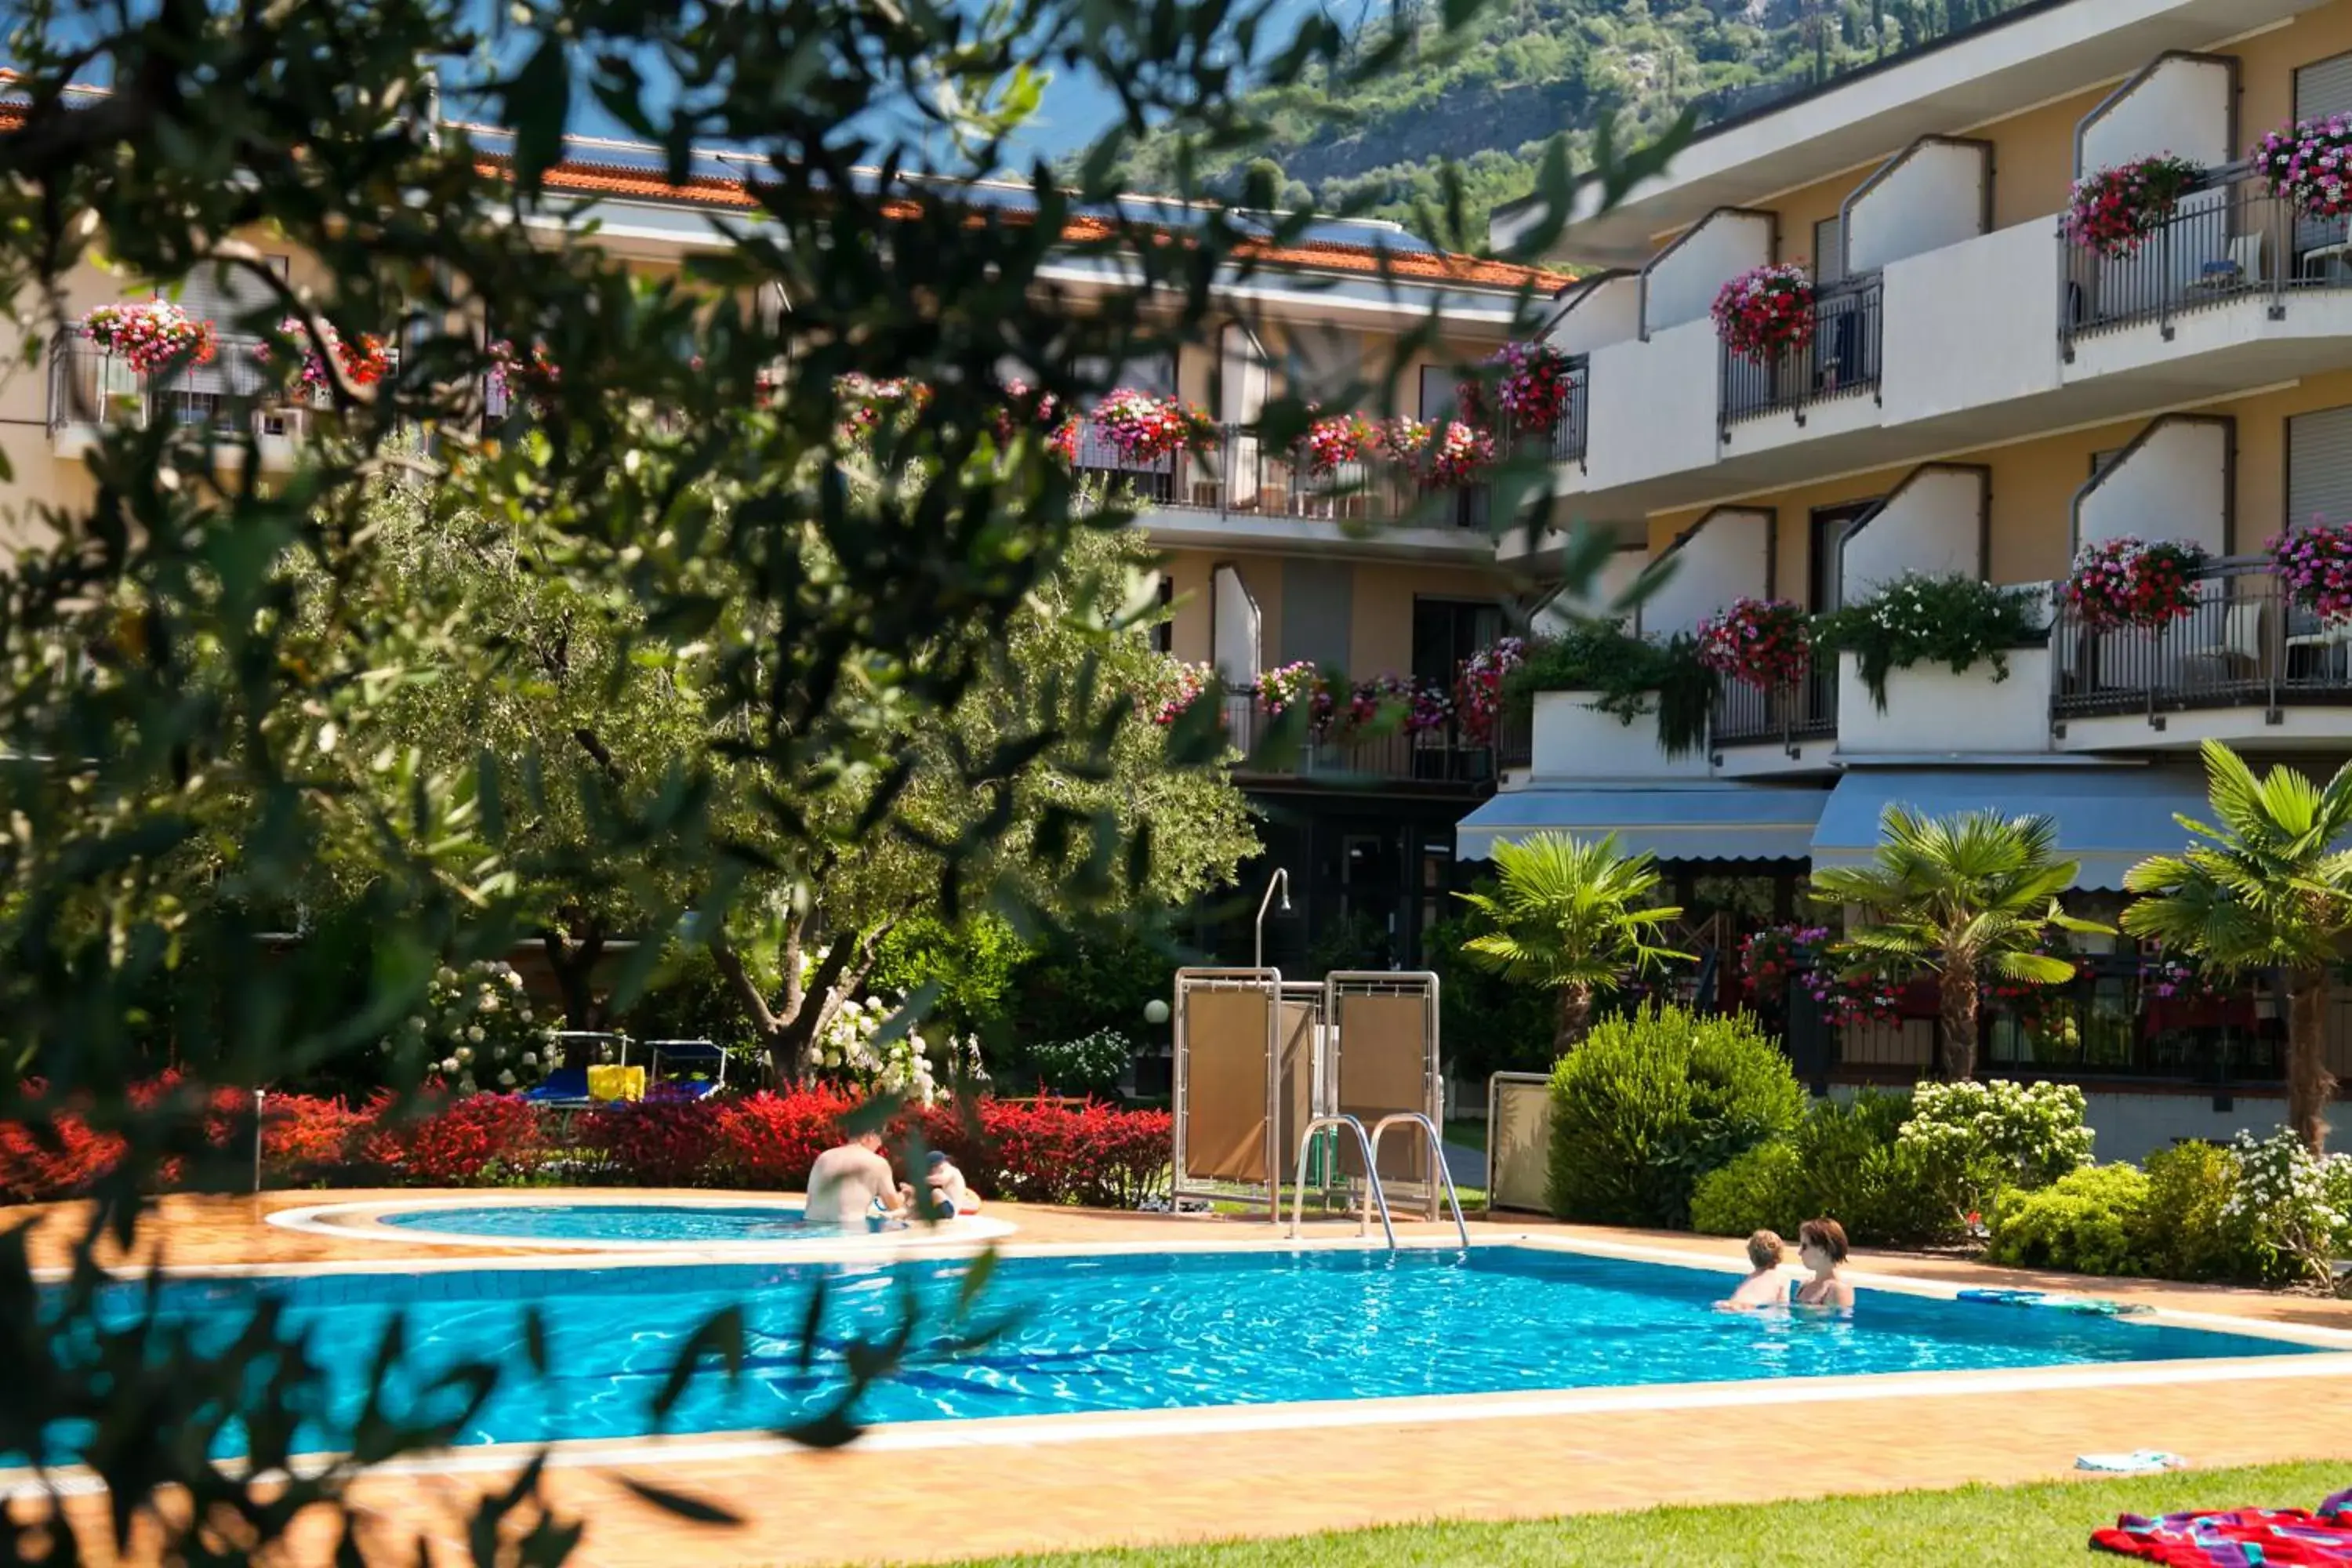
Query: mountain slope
(1530, 69)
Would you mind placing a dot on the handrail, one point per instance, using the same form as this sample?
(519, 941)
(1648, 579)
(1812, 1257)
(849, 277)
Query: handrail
(1771, 250)
(2228, 423)
(1886, 171)
(1983, 473)
(1372, 1180)
(1436, 1154)
(2140, 79)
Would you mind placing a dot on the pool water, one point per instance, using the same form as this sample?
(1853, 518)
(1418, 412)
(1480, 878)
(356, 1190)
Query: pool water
(1143, 1332)
(683, 1224)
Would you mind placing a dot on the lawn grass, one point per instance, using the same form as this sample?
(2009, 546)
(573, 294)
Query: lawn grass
(1993, 1527)
(1467, 1134)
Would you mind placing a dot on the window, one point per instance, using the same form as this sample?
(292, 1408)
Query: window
(1163, 636)
(1828, 251)
(2319, 468)
(1318, 611)
(223, 295)
(2324, 88)
(1322, 362)
(1823, 567)
(1439, 390)
(1447, 631)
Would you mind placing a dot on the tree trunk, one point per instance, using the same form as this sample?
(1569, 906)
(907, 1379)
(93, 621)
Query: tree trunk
(2309, 1085)
(572, 955)
(787, 1034)
(1575, 1019)
(1958, 1000)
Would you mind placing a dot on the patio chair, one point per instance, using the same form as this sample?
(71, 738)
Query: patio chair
(2239, 651)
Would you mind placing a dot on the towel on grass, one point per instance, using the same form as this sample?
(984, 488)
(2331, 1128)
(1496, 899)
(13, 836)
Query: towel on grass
(2137, 1459)
(2238, 1538)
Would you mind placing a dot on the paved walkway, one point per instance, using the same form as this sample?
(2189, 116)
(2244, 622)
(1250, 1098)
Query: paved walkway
(1168, 1477)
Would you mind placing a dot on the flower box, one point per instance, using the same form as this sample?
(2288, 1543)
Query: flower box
(1929, 710)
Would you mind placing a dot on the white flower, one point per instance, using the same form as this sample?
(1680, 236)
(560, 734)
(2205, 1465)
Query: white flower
(465, 1053)
(514, 981)
(506, 1080)
(449, 1065)
(489, 1002)
(474, 1034)
(530, 1058)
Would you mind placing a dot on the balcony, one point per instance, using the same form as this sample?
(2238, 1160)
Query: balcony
(2247, 663)
(1843, 360)
(1440, 761)
(92, 390)
(1784, 716)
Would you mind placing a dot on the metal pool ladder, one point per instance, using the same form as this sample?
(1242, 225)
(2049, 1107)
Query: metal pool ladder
(1369, 1146)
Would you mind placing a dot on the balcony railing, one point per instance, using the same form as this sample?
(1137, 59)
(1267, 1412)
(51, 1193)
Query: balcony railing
(92, 387)
(1803, 709)
(1437, 757)
(1843, 360)
(2231, 240)
(1515, 736)
(2246, 644)
(1568, 437)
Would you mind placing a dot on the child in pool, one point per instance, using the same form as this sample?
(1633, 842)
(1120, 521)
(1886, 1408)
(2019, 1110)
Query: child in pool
(1763, 1286)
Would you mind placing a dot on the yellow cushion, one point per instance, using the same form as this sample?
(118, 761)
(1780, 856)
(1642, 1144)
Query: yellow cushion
(617, 1083)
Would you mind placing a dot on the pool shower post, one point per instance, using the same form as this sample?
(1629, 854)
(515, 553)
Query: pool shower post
(1281, 878)
(256, 1143)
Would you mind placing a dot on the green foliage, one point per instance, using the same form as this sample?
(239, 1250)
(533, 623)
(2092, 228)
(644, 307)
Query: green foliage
(1487, 1024)
(2090, 1221)
(1649, 1104)
(1633, 677)
(972, 965)
(1760, 1189)
(690, 999)
(2027, 1135)
(1843, 1159)
(1955, 621)
(1094, 976)
(2187, 1231)
(1090, 1064)
(1571, 916)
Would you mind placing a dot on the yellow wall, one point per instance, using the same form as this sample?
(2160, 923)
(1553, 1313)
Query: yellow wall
(2266, 79)
(1380, 636)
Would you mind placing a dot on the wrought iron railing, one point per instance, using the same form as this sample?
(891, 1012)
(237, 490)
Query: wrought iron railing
(2246, 642)
(1843, 360)
(2231, 241)
(1515, 736)
(1385, 753)
(93, 386)
(1568, 437)
(1803, 709)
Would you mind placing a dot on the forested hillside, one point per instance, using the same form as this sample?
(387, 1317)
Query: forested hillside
(1534, 67)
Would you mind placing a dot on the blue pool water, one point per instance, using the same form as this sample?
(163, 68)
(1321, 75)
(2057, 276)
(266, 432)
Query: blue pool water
(678, 1223)
(1142, 1332)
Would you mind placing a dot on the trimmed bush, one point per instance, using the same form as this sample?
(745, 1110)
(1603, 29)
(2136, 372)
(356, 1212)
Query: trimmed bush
(1650, 1103)
(1761, 1189)
(2187, 1232)
(1843, 1158)
(2090, 1221)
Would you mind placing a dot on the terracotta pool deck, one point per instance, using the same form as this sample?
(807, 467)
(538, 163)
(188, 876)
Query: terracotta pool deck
(948, 1491)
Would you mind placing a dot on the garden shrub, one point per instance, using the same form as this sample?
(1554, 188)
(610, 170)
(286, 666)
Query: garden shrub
(1650, 1103)
(768, 1140)
(1090, 1064)
(481, 1136)
(651, 1143)
(2092, 1220)
(2293, 1208)
(971, 967)
(2187, 1231)
(1976, 1140)
(1761, 1189)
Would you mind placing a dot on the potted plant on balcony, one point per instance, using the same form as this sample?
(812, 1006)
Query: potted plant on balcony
(1530, 387)
(1764, 643)
(1300, 681)
(148, 334)
(1336, 440)
(1455, 455)
(2113, 211)
(1766, 312)
(2128, 581)
(1479, 687)
(1957, 621)
(1772, 958)
(867, 403)
(1144, 428)
(2314, 565)
(2310, 164)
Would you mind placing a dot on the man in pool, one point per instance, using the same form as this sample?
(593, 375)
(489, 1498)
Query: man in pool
(847, 1183)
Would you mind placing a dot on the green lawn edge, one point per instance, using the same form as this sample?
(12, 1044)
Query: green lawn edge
(1978, 1525)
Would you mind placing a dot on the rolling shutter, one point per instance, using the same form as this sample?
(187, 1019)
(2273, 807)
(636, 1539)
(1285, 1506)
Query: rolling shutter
(2324, 88)
(1318, 611)
(224, 295)
(2319, 468)
(1828, 251)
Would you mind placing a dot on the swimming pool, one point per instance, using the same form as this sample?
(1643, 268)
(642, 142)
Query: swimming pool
(721, 1224)
(1148, 1332)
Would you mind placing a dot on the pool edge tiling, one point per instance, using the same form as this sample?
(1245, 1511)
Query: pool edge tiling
(407, 1220)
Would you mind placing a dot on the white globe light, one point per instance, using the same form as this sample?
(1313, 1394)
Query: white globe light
(1155, 1011)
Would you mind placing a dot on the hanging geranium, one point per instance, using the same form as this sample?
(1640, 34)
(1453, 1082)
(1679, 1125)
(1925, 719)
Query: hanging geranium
(1429, 708)
(2310, 164)
(1063, 442)
(1772, 958)
(148, 334)
(1457, 455)
(1302, 680)
(1184, 683)
(1025, 406)
(1766, 312)
(2128, 581)
(512, 370)
(364, 360)
(1479, 687)
(2113, 211)
(2316, 564)
(1403, 437)
(1337, 440)
(1763, 643)
(1531, 381)
(2170, 979)
(1145, 428)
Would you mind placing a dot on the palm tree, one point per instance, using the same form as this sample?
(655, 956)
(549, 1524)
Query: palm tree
(2266, 889)
(1966, 897)
(1572, 914)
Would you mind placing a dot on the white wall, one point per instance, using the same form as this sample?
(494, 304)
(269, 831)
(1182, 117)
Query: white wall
(1936, 197)
(1616, 575)
(2134, 1126)
(2182, 108)
(1575, 741)
(1727, 554)
(1931, 710)
(1683, 284)
(1607, 313)
(1973, 323)
(2174, 484)
(1932, 524)
(1655, 406)
(1238, 654)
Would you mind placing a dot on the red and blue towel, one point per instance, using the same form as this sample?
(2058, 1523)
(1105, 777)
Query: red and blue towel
(2238, 1537)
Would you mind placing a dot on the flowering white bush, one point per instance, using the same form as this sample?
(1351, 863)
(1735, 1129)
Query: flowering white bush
(2295, 1207)
(1089, 1062)
(1985, 1136)
(851, 1052)
(477, 1030)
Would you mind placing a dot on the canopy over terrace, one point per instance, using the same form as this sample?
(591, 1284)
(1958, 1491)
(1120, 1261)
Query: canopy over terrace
(1674, 821)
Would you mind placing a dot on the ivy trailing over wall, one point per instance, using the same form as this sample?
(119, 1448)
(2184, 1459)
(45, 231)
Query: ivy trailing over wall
(1629, 677)
(1955, 621)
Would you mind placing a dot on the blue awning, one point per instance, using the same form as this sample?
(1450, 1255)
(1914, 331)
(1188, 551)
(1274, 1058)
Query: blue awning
(2110, 819)
(1694, 820)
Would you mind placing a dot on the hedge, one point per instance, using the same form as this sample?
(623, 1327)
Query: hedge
(1043, 1153)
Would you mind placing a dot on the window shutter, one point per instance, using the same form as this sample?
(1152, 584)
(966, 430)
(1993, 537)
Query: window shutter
(223, 295)
(1829, 252)
(1318, 611)
(2324, 88)
(2319, 468)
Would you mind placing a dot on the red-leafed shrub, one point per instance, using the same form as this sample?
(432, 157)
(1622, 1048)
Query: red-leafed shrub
(458, 1143)
(309, 1137)
(60, 1160)
(651, 1144)
(1090, 1154)
(771, 1139)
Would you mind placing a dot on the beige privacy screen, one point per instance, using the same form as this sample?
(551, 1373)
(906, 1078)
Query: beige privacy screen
(1384, 1069)
(1225, 1084)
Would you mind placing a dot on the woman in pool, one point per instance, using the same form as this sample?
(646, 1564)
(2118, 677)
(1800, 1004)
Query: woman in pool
(1763, 1286)
(1820, 1246)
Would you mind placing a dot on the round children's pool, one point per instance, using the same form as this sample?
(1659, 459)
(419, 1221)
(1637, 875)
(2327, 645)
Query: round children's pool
(610, 1224)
